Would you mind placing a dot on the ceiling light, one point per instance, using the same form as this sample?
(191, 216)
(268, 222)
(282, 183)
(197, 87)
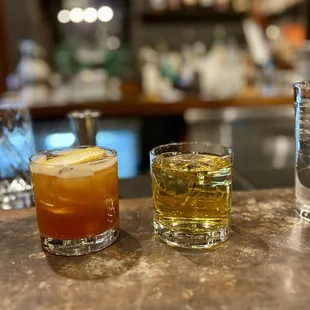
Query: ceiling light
(63, 16)
(105, 14)
(90, 15)
(76, 15)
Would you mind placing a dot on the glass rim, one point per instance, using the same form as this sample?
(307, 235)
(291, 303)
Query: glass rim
(205, 144)
(99, 161)
(302, 84)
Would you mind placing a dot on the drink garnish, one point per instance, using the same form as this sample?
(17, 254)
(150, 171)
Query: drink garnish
(76, 157)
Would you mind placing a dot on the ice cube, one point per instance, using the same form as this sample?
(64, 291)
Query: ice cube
(75, 172)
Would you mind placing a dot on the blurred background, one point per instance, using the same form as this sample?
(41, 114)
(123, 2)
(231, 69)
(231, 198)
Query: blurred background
(161, 71)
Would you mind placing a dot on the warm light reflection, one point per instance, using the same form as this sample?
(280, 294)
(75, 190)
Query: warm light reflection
(63, 16)
(105, 14)
(90, 15)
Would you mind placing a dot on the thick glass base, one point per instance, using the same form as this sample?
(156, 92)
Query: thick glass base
(17, 200)
(179, 239)
(82, 246)
(15, 194)
(303, 211)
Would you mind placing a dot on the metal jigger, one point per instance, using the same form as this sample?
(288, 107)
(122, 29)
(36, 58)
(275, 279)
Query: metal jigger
(84, 126)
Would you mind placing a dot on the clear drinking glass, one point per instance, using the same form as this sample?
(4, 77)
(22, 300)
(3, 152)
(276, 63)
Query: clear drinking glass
(192, 187)
(303, 61)
(77, 204)
(302, 137)
(16, 145)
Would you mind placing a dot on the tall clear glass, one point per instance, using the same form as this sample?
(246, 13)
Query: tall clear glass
(302, 136)
(16, 146)
(303, 61)
(192, 188)
(77, 204)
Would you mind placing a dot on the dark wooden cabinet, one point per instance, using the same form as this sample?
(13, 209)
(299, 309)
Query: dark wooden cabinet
(4, 56)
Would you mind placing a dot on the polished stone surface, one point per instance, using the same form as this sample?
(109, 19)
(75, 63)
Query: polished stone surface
(265, 264)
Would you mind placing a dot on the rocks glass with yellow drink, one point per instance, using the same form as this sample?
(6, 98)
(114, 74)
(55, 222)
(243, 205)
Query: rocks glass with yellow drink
(76, 198)
(192, 184)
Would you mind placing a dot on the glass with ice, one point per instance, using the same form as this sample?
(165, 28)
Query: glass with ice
(76, 197)
(192, 185)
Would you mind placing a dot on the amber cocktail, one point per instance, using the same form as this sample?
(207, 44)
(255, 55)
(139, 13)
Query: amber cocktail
(76, 197)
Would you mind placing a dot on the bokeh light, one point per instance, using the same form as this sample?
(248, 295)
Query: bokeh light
(113, 43)
(105, 14)
(273, 32)
(90, 15)
(76, 15)
(63, 16)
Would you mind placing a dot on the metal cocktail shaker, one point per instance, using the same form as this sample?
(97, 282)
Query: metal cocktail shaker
(84, 126)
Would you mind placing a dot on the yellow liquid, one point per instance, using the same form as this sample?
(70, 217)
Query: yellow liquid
(191, 192)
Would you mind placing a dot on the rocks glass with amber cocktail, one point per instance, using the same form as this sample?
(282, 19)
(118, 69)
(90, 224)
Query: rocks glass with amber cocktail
(76, 198)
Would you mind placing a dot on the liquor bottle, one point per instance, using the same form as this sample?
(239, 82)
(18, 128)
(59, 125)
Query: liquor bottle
(151, 77)
(33, 73)
(187, 69)
(257, 43)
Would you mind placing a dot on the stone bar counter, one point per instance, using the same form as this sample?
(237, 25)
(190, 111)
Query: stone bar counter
(264, 265)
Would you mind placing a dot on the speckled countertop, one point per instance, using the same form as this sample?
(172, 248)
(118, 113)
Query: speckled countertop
(265, 264)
